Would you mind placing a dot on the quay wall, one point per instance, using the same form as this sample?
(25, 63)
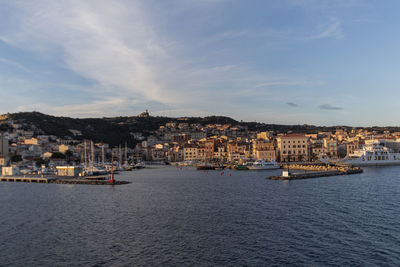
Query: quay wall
(307, 175)
(56, 180)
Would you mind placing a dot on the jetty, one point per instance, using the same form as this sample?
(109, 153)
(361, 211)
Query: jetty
(93, 180)
(314, 171)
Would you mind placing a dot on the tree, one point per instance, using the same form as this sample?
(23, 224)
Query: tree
(68, 155)
(16, 158)
(58, 155)
(39, 162)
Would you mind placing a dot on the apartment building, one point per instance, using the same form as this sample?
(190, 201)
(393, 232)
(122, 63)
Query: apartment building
(293, 147)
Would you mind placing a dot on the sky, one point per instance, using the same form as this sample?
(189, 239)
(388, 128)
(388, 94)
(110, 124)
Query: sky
(321, 62)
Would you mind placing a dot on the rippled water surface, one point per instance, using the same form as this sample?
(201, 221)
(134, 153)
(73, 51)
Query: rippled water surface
(174, 217)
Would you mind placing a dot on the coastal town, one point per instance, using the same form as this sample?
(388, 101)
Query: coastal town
(23, 148)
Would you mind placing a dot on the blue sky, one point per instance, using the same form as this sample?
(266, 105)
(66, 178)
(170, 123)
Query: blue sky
(282, 61)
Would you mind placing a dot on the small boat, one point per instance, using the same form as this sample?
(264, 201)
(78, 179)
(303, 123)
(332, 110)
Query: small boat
(140, 165)
(205, 167)
(210, 167)
(241, 167)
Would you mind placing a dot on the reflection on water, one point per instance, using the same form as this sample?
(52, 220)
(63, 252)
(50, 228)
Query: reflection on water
(168, 216)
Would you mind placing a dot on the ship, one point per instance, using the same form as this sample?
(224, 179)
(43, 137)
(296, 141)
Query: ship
(373, 154)
(262, 165)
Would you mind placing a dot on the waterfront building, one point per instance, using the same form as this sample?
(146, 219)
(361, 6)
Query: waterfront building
(220, 153)
(263, 150)
(68, 170)
(293, 147)
(209, 148)
(318, 150)
(175, 154)
(330, 145)
(158, 154)
(201, 152)
(238, 150)
(9, 171)
(190, 152)
(351, 147)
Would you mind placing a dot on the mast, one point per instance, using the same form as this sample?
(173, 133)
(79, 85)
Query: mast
(112, 157)
(92, 151)
(120, 155)
(102, 155)
(126, 153)
(85, 162)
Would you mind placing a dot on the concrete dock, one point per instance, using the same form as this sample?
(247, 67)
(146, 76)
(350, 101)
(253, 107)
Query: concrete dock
(24, 179)
(314, 171)
(102, 180)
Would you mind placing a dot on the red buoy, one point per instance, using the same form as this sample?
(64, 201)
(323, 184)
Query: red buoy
(112, 178)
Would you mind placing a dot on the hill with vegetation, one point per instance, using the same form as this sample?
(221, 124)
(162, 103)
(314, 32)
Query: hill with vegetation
(117, 130)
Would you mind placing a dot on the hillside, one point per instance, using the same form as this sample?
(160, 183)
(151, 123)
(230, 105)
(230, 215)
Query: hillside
(116, 130)
(113, 130)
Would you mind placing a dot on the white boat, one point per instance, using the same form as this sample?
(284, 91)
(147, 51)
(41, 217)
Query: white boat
(96, 170)
(140, 165)
(262, 165)
(373, 154)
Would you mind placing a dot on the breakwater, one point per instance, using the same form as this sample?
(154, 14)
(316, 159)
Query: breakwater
(314, 171)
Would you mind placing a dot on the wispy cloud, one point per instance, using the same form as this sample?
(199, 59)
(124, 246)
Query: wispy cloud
(293, 81)
(292, 104)
(132, 59)
(329, 107)
(332, 29)
(15, 64)
(5, 40)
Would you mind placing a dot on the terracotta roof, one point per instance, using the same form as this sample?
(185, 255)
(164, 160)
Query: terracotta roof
(293, 135)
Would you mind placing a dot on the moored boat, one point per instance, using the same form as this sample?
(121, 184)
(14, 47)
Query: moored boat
(241, 167)
(208, 166)
(373, 154)
(262, 165)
